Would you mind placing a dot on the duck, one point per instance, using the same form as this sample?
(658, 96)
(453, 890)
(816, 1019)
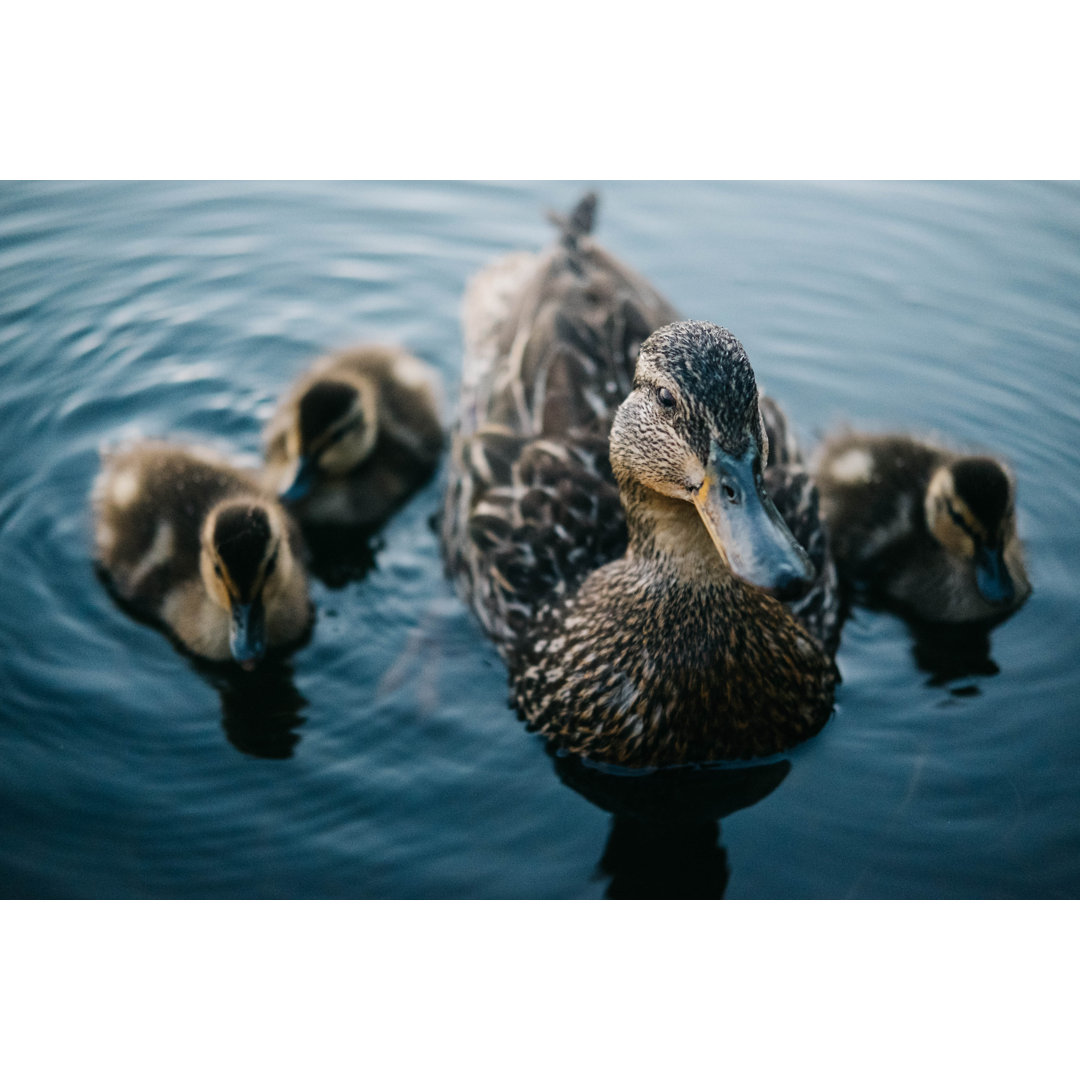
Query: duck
(355, 436)
(200, 548)
(616, 523)
(930, 531)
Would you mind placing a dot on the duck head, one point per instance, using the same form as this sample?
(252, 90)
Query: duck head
(245, 559)
(333, 430)
(691, 430)
(970, 510)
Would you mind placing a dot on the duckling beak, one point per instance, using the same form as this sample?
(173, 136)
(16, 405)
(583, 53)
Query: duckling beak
(303, 480)
(247, 633)
(746, 527)
(992, 577)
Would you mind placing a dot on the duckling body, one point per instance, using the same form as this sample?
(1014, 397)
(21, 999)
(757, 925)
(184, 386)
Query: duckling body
(198, 546)
(582, 520)
(355, 436)
(931, 531)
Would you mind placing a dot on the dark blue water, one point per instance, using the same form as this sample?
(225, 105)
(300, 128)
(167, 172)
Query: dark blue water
(387, 764)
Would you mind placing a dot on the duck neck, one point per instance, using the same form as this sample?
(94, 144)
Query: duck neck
(669, 532)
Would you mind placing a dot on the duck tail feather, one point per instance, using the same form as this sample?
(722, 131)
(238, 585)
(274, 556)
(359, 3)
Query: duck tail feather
(578, 223)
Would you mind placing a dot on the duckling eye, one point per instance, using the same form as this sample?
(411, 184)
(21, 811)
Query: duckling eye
(271, 564)
(217, 570)
(665, 397)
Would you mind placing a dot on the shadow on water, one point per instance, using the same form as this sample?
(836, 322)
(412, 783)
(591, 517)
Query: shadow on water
(338, 555)
(260, 710)
(948, 653)
(665, 841)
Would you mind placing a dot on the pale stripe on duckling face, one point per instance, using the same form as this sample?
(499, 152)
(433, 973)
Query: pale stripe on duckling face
(123, 488)
(157, 555)
(105, 539)
(200, 623)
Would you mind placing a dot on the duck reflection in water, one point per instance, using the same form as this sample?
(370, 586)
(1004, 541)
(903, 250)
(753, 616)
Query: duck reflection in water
(665, 840)
(261, 710)
(951, 653)
(340, 554)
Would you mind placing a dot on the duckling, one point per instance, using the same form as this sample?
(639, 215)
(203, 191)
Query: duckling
(355, 436)
(931, 531)
(608, 519)
(197, 546)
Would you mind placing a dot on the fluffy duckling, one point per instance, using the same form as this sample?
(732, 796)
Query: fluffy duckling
(355, 436)
(196, 545)
(929, 530)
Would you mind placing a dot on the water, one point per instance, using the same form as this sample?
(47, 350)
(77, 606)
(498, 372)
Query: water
(386, 762)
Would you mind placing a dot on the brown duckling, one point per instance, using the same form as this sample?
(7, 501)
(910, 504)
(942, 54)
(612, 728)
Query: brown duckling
(608, 518)
(197, 546)
(930, 531)
(355, 436)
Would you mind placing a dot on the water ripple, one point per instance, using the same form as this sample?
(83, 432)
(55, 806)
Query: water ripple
(397, 769)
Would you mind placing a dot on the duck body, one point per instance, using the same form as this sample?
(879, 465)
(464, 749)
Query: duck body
(930, 531)
(198, 547)
(582, 473)
(355, 436)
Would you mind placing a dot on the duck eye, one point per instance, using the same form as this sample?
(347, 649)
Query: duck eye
(665, 397)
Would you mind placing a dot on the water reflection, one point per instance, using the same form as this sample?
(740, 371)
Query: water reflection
(665, 839)
(338, 555)
(260, 709)
(651, 861)
(948, 653)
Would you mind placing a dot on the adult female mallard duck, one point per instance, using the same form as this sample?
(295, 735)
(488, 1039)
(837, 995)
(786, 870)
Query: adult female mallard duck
(931, 531)
(197, 546)
(611, 524)
(355, 436)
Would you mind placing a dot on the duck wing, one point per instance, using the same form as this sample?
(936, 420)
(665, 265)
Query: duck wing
(551, 341)
(532, 507)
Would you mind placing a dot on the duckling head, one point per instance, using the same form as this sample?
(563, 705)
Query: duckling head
(333, 430)
(691, 430)
(970, 511)
(245, 559)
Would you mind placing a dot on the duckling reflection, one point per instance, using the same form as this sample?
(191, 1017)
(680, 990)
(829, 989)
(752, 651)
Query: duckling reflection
(260, 710)
(339, 554)
(353, 438)
(949, 654)
(665, 839)
(261, 707)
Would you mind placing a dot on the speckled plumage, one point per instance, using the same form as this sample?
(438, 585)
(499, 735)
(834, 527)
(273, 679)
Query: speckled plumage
(875, 497)
(627, 638)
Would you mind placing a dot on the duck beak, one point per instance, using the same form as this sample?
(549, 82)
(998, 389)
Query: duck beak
(303, 480)
(746, 527)
(247, 633)
(992, 578)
